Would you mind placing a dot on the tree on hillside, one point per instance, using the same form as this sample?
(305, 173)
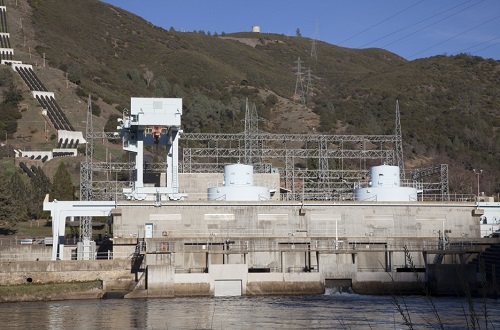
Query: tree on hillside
(6, 77)
(135, 77)
(297, 33)
(162, 87)
(177, 91)
(9, 109)
(12, 96)
(62, 186)
(8, 209)
(111, 126)
(96, 109)
(40, 186)
(74, 74)
(19, 196)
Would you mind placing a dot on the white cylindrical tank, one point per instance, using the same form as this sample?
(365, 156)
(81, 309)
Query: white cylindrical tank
(384, 186)
(384, 176)
(256, 28)
(238, 186)
(238, 175)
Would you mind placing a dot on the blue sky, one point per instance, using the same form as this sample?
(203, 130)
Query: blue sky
(409, 28)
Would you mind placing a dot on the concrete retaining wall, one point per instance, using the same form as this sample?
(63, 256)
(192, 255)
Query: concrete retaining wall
(25, 252)
(115, 274)
(160, 280)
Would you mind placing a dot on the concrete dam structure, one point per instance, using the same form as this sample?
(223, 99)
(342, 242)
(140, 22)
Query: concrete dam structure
(288, 247)
(241, 239)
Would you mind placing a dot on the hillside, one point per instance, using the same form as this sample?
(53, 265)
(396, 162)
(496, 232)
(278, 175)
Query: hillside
(450, 104)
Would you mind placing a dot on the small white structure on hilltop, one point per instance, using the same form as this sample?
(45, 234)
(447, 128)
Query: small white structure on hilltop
(385, 186)
(238, 186)
(256, 29)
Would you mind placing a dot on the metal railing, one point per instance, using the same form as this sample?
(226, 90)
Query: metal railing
(231, 245)
(347, 195)
(222, 243)
(38, 241)
(47, 256)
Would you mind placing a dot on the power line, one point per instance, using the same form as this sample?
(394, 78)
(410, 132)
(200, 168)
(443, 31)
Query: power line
(482, 43)
(384, 20)
(412, 25)
(477, 51)
(425, 27)
(442, 42)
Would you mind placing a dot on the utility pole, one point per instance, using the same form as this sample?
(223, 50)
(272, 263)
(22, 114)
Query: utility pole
(478, 173)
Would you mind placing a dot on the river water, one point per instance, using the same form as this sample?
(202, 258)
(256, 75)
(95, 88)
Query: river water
(329, 311)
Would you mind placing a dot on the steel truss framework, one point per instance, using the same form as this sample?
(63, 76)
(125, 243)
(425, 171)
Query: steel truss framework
(329, 180)
(326, 151)
(86, 178)
(321, 166)
(326, 181)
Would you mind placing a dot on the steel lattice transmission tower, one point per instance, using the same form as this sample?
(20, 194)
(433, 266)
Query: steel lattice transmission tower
(399, 143)
(299, 82)
(323, 163)
(252, 140)
(309, 86)
(86, 175)
(313, 49)
(313, 46)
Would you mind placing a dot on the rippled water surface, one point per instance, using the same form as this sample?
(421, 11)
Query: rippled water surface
(335, 311)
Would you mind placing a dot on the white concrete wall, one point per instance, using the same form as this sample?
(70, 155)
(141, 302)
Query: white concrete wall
(361, 222)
